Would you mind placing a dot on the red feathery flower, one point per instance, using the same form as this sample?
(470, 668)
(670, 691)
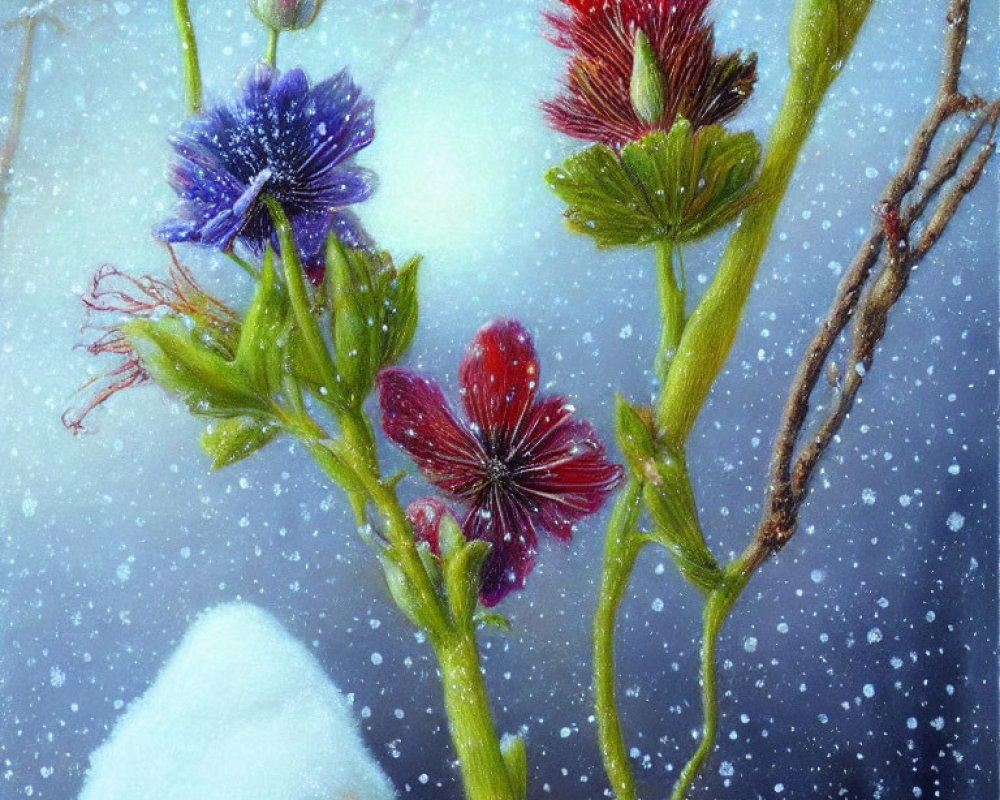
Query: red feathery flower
(521, 462)
(115, 297)
(600, 35)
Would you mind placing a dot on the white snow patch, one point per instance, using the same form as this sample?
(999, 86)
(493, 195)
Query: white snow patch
(241, 711)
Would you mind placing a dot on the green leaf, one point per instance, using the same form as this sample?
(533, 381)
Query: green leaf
(185, 364)
(677, 187)
(230, 440)
(515, 758)
(487, 619)
(336, 463)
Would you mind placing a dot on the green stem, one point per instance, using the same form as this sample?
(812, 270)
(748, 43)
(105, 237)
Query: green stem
(189, 56)
(672, 308)
(470, 720)
(358, 436)
(717, 608)
(620, 550)
(271, 57)
(822, 35)
(473, 735)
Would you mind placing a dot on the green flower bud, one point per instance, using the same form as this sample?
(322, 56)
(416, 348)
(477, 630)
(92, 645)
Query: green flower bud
(646, 86)
(286, 15)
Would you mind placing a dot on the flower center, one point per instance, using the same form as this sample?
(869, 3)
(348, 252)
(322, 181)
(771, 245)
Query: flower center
(497, 472)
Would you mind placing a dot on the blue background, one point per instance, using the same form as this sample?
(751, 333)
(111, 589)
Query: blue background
(861, 663)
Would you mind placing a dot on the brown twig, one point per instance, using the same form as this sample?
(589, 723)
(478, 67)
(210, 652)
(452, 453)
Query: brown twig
(19, 106)
(901, 235)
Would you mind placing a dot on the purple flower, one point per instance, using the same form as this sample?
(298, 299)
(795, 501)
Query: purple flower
(283, 139)
(521, 463)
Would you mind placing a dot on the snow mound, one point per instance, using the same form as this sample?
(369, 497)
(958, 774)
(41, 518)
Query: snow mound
(241, 711)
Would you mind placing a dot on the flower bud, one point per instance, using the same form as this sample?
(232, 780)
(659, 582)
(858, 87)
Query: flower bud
(646, 86)
(286, 15)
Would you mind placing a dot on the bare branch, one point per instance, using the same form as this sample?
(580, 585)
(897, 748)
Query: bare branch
(863, 299)
(19, 106)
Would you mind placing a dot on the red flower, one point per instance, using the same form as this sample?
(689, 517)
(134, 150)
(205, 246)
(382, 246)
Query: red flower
(600, 35)
(115, 297)
(521, 463)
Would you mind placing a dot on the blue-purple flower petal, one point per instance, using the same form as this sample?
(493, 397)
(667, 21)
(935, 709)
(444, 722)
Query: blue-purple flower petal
(283, 139)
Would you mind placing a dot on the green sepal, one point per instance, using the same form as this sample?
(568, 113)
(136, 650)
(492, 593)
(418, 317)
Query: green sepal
(669, 498)
(261, 351)
(402, 593)
(183, 363)
(645, 87)
(450, 536)
(374, 312)
(462, 577)
(515, 758)
(677, 187)
(348, 282)
(431, 562)
(635, 439)
(399, 309)
(488, 619)
(230, 440)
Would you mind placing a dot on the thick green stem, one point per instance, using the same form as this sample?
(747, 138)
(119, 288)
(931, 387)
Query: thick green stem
(821, 37)
(470, 721)
(620, 550)
(473, 735)
(271, 57)
(189, 57)
(672, 308)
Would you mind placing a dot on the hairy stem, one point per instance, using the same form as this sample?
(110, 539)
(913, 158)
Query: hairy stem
(189, 56)
(620, 551)
(473, 734)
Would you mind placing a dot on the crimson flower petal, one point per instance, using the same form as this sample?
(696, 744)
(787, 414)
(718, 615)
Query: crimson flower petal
(595, 104)
(522, 465)
(567, 475)
(416, 417)
(498, 378)
(498, 518)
